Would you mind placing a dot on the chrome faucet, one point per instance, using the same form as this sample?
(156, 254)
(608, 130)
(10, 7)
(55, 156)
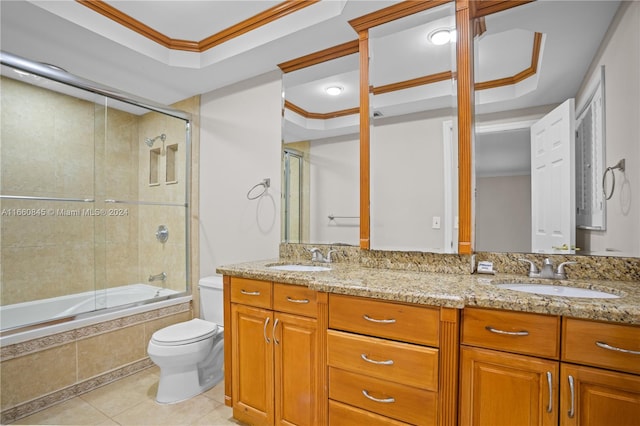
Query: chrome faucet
(547, 269)
(317, 256)
(162, 276)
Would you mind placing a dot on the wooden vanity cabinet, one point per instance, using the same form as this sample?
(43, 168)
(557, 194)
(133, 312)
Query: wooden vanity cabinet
(385, 362)
(600, 374)
(509, 368)
(276, 356)
(530, 369)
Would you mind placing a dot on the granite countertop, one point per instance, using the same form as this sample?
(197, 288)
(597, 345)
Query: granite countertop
(454, 290)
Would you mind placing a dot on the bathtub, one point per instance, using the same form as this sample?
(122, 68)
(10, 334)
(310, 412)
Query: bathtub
(81, 309)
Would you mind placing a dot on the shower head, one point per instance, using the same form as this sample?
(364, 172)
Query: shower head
(150, 141)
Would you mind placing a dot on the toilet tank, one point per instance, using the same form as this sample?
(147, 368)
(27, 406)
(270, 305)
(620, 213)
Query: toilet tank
(211, 299)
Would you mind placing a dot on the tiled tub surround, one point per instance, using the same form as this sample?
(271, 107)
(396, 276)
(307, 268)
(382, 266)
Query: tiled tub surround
(47, 370)
(456, 290)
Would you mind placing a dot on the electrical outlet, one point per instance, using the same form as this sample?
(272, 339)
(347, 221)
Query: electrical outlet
(435, 224)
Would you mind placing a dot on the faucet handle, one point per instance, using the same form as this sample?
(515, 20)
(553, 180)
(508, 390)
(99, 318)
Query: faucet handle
(328, 258)
(316, 254)
(533, 269)
(560, 273)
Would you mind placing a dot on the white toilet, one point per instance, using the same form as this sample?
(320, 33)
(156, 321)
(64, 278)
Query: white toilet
(190, 354)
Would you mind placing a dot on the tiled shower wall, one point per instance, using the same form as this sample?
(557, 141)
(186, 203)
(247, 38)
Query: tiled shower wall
(57, 155)
(60, 150)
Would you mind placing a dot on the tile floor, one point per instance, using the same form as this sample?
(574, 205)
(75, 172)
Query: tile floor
(131, 401)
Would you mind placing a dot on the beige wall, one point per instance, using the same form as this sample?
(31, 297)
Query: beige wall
(407, 183)
(503, 214)
(240, 145)
(620, 55)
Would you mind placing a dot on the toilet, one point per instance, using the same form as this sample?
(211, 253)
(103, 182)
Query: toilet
(190, 354)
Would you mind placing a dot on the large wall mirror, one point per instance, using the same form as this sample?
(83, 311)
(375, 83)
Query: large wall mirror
(413, 134)
(557, 106)
(320, 147)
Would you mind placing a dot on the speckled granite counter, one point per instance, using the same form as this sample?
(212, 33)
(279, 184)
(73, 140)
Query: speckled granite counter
(453, 290)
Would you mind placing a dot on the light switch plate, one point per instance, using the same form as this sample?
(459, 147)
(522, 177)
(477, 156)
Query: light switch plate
(435, 222)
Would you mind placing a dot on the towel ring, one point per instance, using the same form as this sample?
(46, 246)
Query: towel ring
(620, 166)
(266, 183)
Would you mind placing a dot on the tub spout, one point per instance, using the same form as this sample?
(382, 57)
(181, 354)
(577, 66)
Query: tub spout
(162, 276)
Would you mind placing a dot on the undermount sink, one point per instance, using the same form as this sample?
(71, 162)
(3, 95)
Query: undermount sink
(558, 290)
(300, 268)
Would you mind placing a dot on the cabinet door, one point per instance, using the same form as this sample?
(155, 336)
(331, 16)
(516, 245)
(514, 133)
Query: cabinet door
(252, 364)
(297, 370)
(592, 396)
(498, 388)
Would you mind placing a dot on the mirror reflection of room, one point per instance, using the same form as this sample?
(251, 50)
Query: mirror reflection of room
(530, 62)
(320, 161)
(413, 133)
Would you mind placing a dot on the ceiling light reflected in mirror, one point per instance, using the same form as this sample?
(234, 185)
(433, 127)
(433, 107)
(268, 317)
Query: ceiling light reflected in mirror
(441, 36)
(333, 90)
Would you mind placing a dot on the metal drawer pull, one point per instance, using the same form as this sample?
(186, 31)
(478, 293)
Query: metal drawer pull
(572, 410)
(273, 332)
(550, 382)
(385, 400)
(264, 331)
(250, 293)
(613, 348)
(297, 300)
(388, 362)
(508, 333)
(380, 321)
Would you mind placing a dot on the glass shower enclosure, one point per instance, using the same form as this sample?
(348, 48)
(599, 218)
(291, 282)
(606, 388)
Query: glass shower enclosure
(94, 197)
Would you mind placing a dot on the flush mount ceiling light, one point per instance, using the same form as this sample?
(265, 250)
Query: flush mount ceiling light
(440, 36)
(334, 90)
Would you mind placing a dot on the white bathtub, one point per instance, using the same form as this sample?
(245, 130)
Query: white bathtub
(88, 308)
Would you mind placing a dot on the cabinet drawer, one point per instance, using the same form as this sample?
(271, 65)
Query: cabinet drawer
(295, 300)
(520, 332)
(345, 415)
(251, 292)
(615, 346)
(400, 402)
(402, 363)
(384, 319)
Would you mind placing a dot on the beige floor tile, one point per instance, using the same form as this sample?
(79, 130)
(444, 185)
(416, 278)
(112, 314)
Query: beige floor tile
(72, 412)
(131, 401)
(216, 393)
(220, 416)
(150, 412)
(126, 393)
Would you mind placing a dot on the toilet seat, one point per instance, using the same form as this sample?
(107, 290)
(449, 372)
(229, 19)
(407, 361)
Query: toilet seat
(185, 333)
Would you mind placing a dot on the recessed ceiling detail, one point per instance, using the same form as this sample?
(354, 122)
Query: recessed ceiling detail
(320, 115)
(321, 56)
(250, 24)
(267, 22)
(420, 81)
(522, 75)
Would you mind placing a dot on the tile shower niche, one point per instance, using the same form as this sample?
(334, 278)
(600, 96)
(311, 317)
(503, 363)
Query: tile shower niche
(155, 165)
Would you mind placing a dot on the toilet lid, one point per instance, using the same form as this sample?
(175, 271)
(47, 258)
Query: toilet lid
(185, 332)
